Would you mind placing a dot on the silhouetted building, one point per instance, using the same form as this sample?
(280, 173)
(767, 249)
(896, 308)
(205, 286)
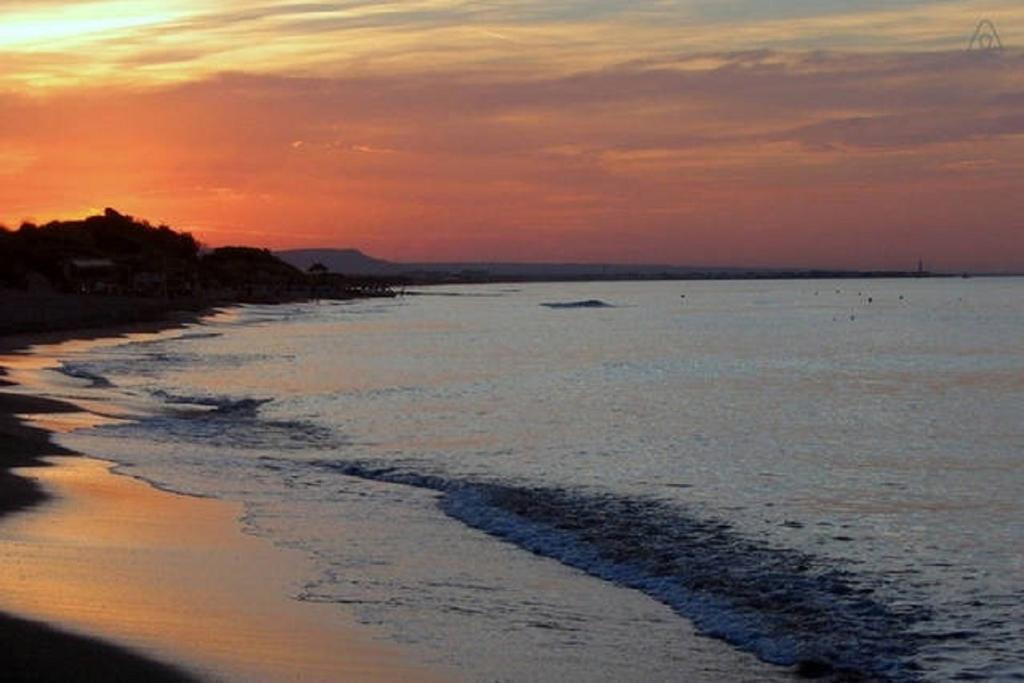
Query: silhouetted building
(93, 276)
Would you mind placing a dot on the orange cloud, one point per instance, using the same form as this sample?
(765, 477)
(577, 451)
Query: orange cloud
(764, 157)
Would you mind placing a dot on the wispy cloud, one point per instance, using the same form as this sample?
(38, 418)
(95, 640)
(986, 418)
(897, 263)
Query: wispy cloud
(680, 156)
(411, 36)
(793, 131)
(51, 24)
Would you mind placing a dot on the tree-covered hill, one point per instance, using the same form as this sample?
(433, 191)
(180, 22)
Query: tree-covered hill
(234, 266)
(119, 254)
(131, 246)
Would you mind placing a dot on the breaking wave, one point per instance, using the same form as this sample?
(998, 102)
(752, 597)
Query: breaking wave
(191, 336)
(224, 422)
(218, 405)
(85, 371)
(786, 607)
(588, 303)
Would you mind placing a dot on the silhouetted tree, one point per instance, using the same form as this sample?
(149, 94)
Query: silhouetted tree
(135, 246)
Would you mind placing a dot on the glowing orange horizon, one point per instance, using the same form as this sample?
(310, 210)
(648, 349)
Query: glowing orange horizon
(421, 130)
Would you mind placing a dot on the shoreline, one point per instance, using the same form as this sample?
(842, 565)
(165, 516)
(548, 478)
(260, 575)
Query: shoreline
(196, 598)
(24, 445)
(35, 649)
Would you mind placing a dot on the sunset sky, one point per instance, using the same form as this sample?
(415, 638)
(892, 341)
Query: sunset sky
(832, 133)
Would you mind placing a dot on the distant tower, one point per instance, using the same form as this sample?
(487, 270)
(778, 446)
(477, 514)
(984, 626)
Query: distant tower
(985, 37)
(920, 266)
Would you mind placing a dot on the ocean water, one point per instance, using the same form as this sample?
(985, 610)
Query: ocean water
(578, 481)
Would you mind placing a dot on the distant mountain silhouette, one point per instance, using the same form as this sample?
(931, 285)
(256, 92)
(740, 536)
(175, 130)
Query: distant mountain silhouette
(347, 261)
(355, 262)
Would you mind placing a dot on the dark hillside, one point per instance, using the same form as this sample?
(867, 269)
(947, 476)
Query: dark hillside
(114, 248)
(237, 266)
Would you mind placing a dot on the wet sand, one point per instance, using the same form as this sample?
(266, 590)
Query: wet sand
(31, 650)
(172, 577)
(125, 576)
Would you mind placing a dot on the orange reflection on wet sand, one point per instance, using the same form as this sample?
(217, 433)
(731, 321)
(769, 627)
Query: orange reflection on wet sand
(68, 422)
(39, 353)
(173, 576)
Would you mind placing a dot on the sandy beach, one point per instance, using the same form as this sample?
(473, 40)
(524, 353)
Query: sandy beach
(105, 577)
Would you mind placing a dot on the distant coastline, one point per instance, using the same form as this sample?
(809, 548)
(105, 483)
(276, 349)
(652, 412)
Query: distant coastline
(114, 269)
(356, 263)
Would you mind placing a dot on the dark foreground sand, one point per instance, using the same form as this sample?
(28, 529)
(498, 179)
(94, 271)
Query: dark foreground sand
(22, 312)
(34, 652)
(105, 578)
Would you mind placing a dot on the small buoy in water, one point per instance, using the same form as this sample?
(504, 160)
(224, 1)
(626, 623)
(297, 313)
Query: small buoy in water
(901, 297)
(870, 299)
(853, 317)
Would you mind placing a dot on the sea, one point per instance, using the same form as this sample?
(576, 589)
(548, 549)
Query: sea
(615, 481)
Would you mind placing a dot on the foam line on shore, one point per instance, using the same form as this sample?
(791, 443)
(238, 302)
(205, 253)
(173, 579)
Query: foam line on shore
(786, 607)
(167, 576)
